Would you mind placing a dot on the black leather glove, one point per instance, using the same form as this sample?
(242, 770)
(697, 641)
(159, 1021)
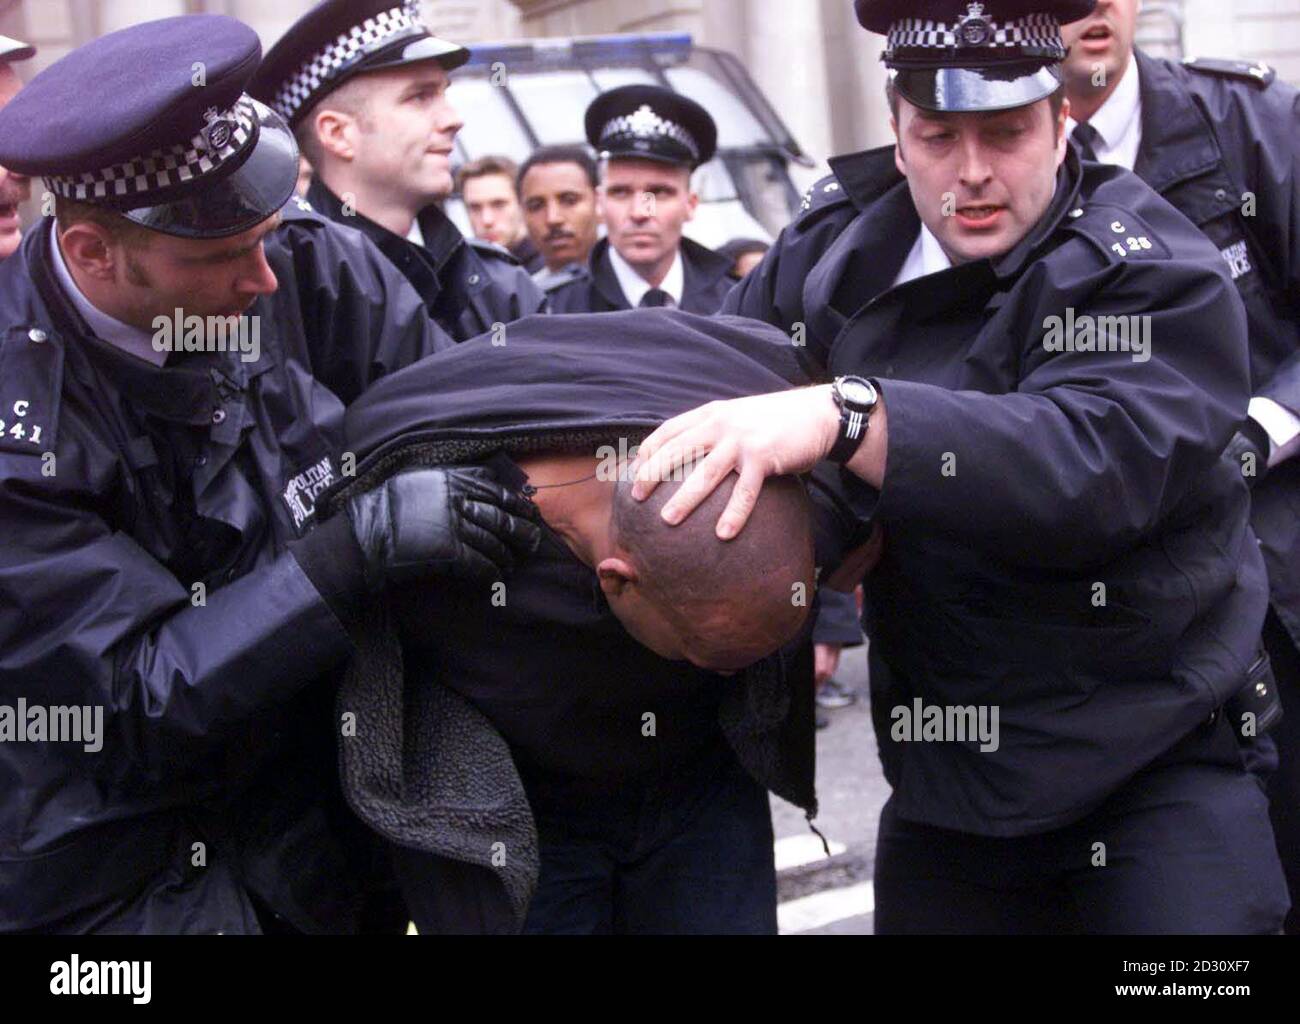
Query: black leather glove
(458, 522)
(1253, 441)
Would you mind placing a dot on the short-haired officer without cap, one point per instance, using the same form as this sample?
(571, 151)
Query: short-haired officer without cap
(178, 352)
(650, 140)
(1037, 365)
(1220, 140)
(364, 86)
(14, 188)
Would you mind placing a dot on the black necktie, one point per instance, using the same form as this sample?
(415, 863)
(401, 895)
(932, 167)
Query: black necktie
(1085, 137)
(655, 297)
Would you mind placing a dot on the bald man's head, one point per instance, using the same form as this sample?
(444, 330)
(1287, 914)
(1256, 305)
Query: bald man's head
(720, 604)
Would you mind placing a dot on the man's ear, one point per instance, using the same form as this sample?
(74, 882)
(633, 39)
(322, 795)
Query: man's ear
(1062, 136)
(898, 147)
(91, 249)
(692, 204)
(616, 575)
(333, 133)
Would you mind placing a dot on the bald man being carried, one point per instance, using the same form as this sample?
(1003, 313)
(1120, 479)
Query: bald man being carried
(616, 710)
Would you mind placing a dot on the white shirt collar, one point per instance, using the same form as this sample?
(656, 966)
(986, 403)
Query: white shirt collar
(133, 340)
(635, 286)
(927, 257)
(1119, 121)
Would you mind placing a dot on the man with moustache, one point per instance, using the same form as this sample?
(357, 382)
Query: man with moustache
(1220, 140)
(557, 188)
(1064, 541)
(363, 84)
(14, 188)
(650, 140)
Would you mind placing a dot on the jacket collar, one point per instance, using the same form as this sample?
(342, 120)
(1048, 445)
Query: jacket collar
(441, 237)
(1069, 185)
(702, 269)
(1176, 142)
(866, 176)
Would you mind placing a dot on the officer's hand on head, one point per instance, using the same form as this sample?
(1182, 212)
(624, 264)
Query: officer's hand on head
(1248, 452)
(457, 522)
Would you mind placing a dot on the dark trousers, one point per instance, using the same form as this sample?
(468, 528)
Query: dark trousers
(1284, 787)
(1188, 849)
(690, 857)
(691, 854)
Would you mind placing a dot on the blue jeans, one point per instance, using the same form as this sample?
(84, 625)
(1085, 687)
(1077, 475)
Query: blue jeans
(688, 856)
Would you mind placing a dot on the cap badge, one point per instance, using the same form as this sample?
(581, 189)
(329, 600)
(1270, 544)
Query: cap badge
(975, 29)
(218, 133)
(644, 122)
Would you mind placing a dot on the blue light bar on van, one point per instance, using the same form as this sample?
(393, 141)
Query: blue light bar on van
(662, 47)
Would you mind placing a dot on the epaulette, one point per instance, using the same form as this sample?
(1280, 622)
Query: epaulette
(297, 208)
(31, 385)
(823, 194)
(1257, 73)
(1120, 234)
(492, 249)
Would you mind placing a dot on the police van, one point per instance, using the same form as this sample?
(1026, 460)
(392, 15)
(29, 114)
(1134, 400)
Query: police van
(515, 97)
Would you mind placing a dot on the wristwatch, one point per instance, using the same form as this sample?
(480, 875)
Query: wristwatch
(856, 397)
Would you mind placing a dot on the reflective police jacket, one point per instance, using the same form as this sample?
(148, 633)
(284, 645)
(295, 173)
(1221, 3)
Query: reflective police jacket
(1070, 588)
(159, 575)
(467, 285)
(707, 281)
(1221, 142)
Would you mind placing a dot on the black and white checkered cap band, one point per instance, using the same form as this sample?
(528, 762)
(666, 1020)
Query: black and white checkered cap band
(224, 135)
(1037, 33)
(645, 124)
(298, 91)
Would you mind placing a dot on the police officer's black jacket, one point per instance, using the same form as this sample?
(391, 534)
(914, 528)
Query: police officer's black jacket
(467, 285)
(1221, 142)
(455, 695)
(1063, 541)
(158, 562)
(707, 281)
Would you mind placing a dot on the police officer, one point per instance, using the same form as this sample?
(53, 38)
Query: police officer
(14, 188)
(1068, 593)
(363, 85)
(650, 140)
(177, 355)
(1219, 140)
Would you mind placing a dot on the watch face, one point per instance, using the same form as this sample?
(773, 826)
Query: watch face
(858, 392)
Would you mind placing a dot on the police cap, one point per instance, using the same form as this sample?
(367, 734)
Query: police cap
(955, 55)
(647, 122)
(152, 122)
(11, 50)
(339, 39)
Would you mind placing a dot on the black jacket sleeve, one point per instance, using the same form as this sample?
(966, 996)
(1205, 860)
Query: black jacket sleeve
(88, 617)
